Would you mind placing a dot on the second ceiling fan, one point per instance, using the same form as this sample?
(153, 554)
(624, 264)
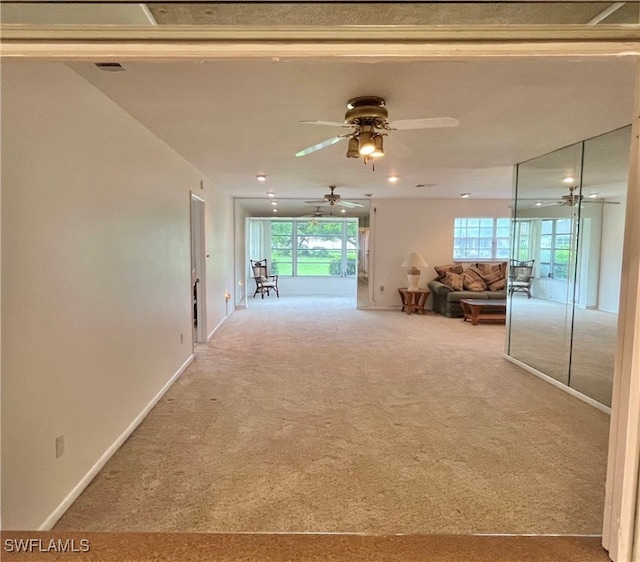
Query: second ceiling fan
(334, 199)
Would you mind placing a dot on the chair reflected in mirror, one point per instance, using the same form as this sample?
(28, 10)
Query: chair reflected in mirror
(265, 283)
(521, 276)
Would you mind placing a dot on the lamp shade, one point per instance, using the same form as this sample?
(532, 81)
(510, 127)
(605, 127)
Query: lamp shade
(414, 260)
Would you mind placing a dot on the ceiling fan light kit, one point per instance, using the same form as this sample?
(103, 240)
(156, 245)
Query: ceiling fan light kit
(378, 149)
(365, 141)
(352, 150)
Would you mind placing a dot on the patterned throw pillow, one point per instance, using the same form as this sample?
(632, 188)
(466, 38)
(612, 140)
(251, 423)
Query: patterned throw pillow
(499, 285)
(492, 272)
(473, 280)
(492, 277)
(442, 270)
(453, 280)
(486, 268)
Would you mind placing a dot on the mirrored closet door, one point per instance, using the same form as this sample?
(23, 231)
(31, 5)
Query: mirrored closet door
(568, 217)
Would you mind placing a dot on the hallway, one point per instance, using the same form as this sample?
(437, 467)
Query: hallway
(306, 415)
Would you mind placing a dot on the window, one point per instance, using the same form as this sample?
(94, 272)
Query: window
(314, 248)
(481, 238)
(522, 240)
(282, 248)
(555, 248)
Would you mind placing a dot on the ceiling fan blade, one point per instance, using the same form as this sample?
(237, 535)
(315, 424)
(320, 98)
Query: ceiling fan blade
(426, 123)
(318, 202)
(397, 148)
(328, 123)
(349, 204)
(319, 146)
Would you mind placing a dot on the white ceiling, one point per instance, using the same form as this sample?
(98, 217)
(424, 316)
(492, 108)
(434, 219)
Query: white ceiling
(233, 120)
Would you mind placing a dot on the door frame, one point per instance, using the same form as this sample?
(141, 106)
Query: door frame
(199, 264)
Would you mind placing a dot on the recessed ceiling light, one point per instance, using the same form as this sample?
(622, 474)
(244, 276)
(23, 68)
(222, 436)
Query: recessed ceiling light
(465, 195)
(569, 179)
(593, 195)
(343, 210)
(538, 204)
(275, 210)
(274, 202)
(393, 179)
(261, 177)
(269, 194)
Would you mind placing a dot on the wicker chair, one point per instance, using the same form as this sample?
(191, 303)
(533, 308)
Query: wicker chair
(265, 283)
(521, 276)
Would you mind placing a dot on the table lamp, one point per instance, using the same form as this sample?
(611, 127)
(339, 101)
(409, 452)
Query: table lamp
(413, 262)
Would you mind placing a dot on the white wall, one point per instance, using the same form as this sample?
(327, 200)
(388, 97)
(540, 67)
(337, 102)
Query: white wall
(327, 286)
(401, 226)
(219, 225)
(611, 256)
(96, 279)
(241, 266)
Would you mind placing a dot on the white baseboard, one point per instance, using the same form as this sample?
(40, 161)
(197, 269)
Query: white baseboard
(318, 294)
(220, 324)
(559, 385)
(89, 476)
(397, 308)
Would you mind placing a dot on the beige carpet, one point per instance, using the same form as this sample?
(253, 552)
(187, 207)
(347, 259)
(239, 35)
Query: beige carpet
(309, 415)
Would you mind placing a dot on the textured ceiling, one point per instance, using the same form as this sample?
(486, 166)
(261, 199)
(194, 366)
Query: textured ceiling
(406, 13)
(316, 13)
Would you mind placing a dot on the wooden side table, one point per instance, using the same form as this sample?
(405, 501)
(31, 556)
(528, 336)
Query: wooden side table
(413, 301)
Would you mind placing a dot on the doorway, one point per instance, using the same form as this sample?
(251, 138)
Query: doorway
(198, 270)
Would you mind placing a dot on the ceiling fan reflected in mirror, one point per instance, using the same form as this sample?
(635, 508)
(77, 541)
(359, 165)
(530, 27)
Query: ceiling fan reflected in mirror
(334, 199)
(367, 122)
(570, 200)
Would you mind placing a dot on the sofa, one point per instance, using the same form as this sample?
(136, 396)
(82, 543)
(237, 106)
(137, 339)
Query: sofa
(454, 283)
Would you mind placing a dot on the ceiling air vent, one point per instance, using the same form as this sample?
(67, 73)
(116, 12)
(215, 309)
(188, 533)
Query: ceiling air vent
(110, 66)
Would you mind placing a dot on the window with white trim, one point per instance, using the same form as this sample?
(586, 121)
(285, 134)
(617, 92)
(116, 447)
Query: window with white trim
(522, 240)
(485, 238)
(556, 248)
(314, 248)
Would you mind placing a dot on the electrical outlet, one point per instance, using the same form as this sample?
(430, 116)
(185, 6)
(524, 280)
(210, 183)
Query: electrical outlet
(59, 446)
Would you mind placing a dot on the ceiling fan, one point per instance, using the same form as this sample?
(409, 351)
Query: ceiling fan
(367, 124)
(335, 199)
(316, 214)
(570, 200)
